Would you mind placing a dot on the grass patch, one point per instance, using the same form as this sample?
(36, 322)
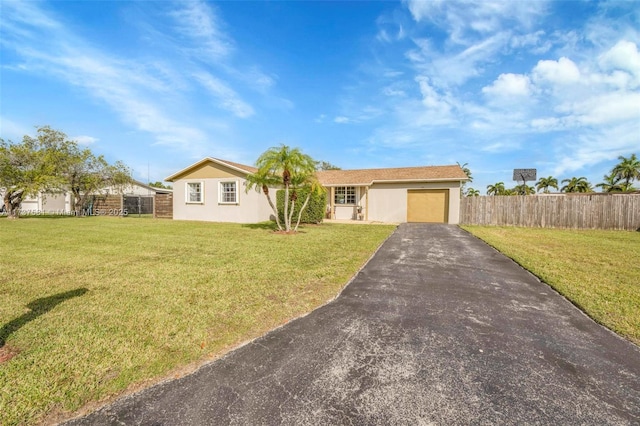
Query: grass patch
(599, 271)
(94, 306)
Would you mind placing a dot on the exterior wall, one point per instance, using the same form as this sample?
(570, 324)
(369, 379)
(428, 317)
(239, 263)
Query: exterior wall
(388, 201)
(252, 206)
(47, 203)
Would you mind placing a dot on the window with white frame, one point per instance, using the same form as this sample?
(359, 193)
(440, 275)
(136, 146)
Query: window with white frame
(194, 192)
(345, 195)
(228, 192)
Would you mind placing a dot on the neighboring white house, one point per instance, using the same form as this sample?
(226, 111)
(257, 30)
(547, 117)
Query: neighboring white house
(214, 190)
(59, 203)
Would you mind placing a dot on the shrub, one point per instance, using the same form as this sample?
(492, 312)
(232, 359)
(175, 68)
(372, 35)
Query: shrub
(313, 213)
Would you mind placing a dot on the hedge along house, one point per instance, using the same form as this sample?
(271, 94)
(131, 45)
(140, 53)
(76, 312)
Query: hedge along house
(214, 190)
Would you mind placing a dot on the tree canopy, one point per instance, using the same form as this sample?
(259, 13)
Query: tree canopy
(51, 163)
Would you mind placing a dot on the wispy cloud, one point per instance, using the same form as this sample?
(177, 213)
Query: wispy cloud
(197, 21)
(228, 99)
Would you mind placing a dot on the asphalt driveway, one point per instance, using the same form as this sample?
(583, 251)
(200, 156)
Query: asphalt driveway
(438, 328)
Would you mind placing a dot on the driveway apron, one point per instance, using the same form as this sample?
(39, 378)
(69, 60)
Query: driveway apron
(438, 328)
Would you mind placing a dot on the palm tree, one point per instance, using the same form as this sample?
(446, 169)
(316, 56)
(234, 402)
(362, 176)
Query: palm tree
(545, 183)
(628, 169)
(496, 189)
(523, 190)
(576, 184)
(467, 172)
(611, 183)
(472, 192)
(285, 165)
(261, 180)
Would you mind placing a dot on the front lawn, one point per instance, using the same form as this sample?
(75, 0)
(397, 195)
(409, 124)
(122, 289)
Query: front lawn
(599, 271)
(91, 307)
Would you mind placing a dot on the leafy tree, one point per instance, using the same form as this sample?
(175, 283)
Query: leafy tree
(158, 184)
(325, 165)
(628, 170)
(545, 183)
(29, 167)
(576, 184)
(290, 169)
(85, 175)
(52, 163)
(472, 192)
(611, 183)
(496, 189)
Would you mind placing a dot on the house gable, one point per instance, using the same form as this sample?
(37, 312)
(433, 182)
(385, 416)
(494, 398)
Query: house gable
(212, 168)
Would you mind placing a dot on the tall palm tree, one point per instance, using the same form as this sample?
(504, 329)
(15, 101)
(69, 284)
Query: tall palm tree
(576, 184)
(287, 165)
(611, 183)
(545, 183)
(472, 192)
(628, 169)
(467, 172)
(496, 189)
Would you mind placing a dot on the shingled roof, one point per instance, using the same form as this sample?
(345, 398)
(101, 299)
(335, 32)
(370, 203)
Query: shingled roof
(361, 176)
(244, 167)
(399, 174)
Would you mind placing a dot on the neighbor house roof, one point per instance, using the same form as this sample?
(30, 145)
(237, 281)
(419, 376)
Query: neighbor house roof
(399, 174)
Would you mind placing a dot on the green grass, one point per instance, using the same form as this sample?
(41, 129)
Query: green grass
(599, 271)
(97, 306)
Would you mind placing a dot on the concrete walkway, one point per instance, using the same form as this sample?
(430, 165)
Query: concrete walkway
(438, 329)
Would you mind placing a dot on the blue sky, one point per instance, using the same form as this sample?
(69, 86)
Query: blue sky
(495, 84)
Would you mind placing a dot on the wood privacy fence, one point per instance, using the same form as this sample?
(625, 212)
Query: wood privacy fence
(583, 211)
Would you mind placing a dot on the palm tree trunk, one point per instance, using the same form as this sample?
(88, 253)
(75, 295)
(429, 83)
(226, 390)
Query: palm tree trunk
(292, 208)
(273, 207)
(287, 222)
(301, 210)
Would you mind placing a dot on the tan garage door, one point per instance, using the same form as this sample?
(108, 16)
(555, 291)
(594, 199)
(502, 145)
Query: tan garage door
(428, 205)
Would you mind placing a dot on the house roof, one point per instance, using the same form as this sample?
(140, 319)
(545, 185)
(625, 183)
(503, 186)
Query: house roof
(356, 177)
(236, 166)
(151, 188)
(399, 174)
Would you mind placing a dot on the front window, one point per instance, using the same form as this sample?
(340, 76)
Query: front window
(194, 192)
(345, 195)
(228, 192)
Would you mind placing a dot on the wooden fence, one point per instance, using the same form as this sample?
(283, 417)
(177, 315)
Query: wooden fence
(579, 211)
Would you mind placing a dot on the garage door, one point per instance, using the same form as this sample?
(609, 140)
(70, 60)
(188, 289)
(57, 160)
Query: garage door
(428, 205)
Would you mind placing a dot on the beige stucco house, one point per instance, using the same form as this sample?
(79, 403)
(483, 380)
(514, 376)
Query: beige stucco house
(214, 190)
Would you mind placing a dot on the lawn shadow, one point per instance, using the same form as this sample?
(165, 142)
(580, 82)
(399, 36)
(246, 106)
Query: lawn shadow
(269, 226)
(38, 307)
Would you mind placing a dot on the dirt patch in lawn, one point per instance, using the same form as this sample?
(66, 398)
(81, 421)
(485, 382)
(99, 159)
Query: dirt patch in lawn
(7, 352)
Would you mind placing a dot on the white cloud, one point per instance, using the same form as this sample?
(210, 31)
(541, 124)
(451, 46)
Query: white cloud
(342, 119)
(462, 19)
(85, 140)
(562, 71)
(509, 85)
